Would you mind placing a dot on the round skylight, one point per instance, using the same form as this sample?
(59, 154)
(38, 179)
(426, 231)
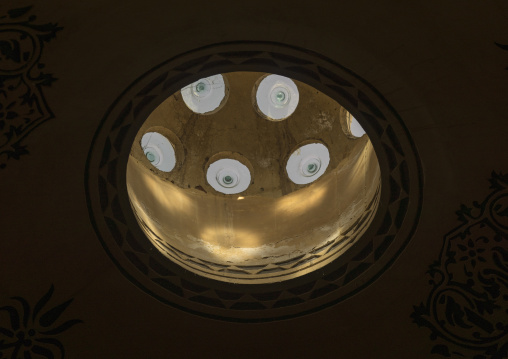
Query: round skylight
(308, 163)
(205, 95)
(158, 151)
(277, 97)
(228, 176)
(355, 128)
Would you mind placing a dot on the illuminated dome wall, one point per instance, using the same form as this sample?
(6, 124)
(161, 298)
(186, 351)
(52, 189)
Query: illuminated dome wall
(272, 230)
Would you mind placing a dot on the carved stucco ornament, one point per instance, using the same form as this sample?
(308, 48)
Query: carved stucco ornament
(467, 308)
(22, 104)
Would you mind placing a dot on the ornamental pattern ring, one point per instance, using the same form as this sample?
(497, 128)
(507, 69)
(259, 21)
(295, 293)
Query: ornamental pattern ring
(115, 224)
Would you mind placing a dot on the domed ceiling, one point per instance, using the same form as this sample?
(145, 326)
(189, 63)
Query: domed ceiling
(313, 180)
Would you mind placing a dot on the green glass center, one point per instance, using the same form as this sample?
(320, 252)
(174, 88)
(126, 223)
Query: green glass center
(312, 167)
(228, 179)
(150, 156)
(280, 96)
(200, 87)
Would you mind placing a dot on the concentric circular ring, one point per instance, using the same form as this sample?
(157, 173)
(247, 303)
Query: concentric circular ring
(228, 176)
(159, 151)
(307, 163)
(390, 229)
(276, 97)
(205, 95)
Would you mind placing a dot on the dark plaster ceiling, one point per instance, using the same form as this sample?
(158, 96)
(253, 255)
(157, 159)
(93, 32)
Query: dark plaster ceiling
(441, 70)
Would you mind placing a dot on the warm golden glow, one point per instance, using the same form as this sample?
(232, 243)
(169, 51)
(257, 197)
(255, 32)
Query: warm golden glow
(162, 195)
(297, 203)
(275, 229)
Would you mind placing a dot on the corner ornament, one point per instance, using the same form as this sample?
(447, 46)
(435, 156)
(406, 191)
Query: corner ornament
(22, 104)
(30, 333)
(467, 308)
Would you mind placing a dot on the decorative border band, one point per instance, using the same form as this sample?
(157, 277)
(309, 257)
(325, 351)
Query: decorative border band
(392, 226)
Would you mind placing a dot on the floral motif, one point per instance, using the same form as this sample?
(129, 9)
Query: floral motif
(466, 308)
(22, 104)
(31, 332)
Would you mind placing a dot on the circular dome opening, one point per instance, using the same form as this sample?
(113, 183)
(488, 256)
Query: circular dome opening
(305, 185)
(159, 151)
(308, 163)
(207, 95)
(228, 176)
(276, 97)
(351, 126)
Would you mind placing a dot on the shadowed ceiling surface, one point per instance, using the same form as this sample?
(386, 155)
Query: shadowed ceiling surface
(77, 280)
